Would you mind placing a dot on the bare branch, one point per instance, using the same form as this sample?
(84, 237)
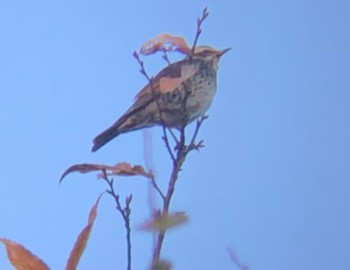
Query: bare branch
(142, 70)
(124, 212)
(167, 144)
(165, 57)
(181, 149)
(181, 152)
(150, 81)
(193, 144)
(156, 187)
(200, 20)
(173, 135)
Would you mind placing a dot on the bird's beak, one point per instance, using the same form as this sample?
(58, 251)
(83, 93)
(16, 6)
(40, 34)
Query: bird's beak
(221, 53)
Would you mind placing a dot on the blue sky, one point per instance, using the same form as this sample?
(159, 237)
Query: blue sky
(273, 179)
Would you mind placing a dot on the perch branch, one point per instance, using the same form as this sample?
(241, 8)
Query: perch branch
(181, 149)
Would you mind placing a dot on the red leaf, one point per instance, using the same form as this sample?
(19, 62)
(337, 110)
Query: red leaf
(21, 258)
(82, 239)
(122, 168)
(165, 42)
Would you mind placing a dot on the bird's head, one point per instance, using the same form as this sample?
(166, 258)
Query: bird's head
(209, 54)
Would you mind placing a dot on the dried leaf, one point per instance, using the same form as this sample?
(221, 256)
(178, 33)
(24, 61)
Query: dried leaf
(165, 42)
(21, 258)
(123, 168)
(83, 168)
(162, 265)
(82, 239)
(164, 222)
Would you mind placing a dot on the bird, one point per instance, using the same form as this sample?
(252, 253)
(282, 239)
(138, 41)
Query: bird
(180, 93)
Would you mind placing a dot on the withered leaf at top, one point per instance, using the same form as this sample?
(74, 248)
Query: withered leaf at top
(165, 42)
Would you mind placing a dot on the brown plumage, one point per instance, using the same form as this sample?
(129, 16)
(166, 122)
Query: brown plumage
(179, 94)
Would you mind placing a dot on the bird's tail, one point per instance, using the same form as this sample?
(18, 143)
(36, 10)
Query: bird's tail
(104, 137)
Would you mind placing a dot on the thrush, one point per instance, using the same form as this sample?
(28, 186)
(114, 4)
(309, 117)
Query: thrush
(177, 95)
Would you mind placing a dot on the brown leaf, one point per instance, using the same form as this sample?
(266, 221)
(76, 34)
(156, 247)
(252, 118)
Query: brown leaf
(123, 168)
(83, 168)
(163, 222)
(82, 239)
(165, 42)
(21, 258)
(162, 265)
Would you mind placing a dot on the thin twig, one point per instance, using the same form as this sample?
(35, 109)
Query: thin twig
(192, 145)
(156, 187)
(167, 144)
(142, 69)
(200, 20)
(125, 213)
(165, 57)
(150, 81)
(173, 135)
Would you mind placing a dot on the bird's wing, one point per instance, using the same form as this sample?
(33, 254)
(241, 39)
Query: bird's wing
(165, 81)
(169, 78)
